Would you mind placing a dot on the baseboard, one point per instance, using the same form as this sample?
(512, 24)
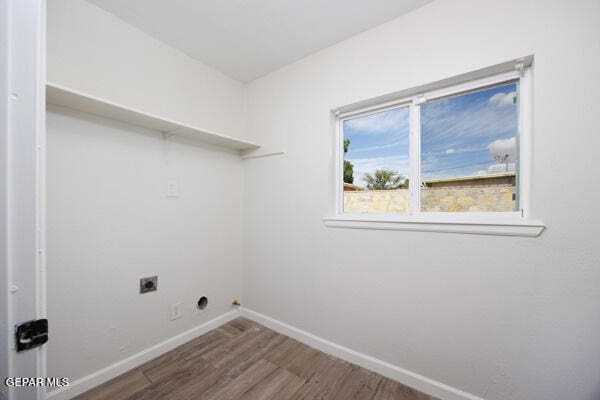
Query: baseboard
(105, 374)
(408, 378)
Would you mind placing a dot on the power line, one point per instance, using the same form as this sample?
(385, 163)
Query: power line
(460, 166)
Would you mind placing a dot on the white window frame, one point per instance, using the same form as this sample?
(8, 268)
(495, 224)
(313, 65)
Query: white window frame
(517, 223)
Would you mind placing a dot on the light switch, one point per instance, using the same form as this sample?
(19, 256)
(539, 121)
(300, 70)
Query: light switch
(172, 188)
(175, 311)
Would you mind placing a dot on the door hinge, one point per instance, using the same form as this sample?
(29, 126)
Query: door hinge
(31, 334)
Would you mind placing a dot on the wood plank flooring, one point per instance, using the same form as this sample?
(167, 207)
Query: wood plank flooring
(245, 360)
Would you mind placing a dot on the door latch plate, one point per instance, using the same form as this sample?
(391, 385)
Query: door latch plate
(31, 334)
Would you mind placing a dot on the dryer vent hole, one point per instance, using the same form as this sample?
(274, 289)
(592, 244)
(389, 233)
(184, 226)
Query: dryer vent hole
(203, 302)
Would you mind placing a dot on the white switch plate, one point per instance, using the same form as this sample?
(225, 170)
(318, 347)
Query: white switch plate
(175, 311)
(172, 188)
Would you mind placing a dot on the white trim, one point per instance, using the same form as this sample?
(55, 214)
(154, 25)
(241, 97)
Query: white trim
(376, 109)
(406, 377)
(105, 374)
(475, 85)
(414, 158)
(502, 228)
(24, 197)
(339, 166)
(525, 141)
(5, 331)
(41, 187)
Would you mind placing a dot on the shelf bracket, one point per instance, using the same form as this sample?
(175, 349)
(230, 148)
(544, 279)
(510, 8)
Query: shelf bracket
(166, 135)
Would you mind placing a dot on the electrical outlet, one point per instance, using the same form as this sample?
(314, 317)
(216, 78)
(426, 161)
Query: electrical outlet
(172, 188)
(175, 311)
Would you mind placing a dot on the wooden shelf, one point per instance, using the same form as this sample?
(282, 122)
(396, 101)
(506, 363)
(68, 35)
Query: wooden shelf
(65, 97)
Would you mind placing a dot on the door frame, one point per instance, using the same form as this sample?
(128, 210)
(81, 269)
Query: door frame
(22, 188)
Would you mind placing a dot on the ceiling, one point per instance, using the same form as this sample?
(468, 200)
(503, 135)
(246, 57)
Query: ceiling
(246, 39)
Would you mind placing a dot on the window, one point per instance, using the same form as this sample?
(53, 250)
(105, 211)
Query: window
(455, 154)
(376, 162)
(468, 151)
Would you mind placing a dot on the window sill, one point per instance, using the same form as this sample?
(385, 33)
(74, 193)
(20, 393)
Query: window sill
(501, 228)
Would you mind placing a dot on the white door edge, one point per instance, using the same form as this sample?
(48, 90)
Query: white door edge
(23, 70)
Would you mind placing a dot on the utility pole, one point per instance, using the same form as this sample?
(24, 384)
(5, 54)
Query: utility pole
(502, 159)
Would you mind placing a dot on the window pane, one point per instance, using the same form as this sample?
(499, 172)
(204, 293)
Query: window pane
(469, 152)
(376, 162)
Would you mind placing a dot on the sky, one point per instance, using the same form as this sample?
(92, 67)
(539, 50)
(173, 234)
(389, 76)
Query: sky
(460, 136)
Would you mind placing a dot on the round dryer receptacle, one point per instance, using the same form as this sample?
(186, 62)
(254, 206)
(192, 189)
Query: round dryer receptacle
(203, 302)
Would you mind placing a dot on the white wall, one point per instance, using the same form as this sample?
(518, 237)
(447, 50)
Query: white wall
(498, 317)
(94, 52)
(109, 221)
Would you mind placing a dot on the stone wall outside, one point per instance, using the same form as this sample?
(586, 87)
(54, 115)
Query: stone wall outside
(449, 199)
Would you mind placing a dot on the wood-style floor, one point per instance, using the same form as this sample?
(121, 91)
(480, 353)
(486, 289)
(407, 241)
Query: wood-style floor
(245, 360)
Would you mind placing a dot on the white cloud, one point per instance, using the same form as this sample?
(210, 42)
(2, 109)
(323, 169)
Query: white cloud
(501, 168)
(378, 147)
(450, 151)
(502, 148)
(502, 99)
(395, 120)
